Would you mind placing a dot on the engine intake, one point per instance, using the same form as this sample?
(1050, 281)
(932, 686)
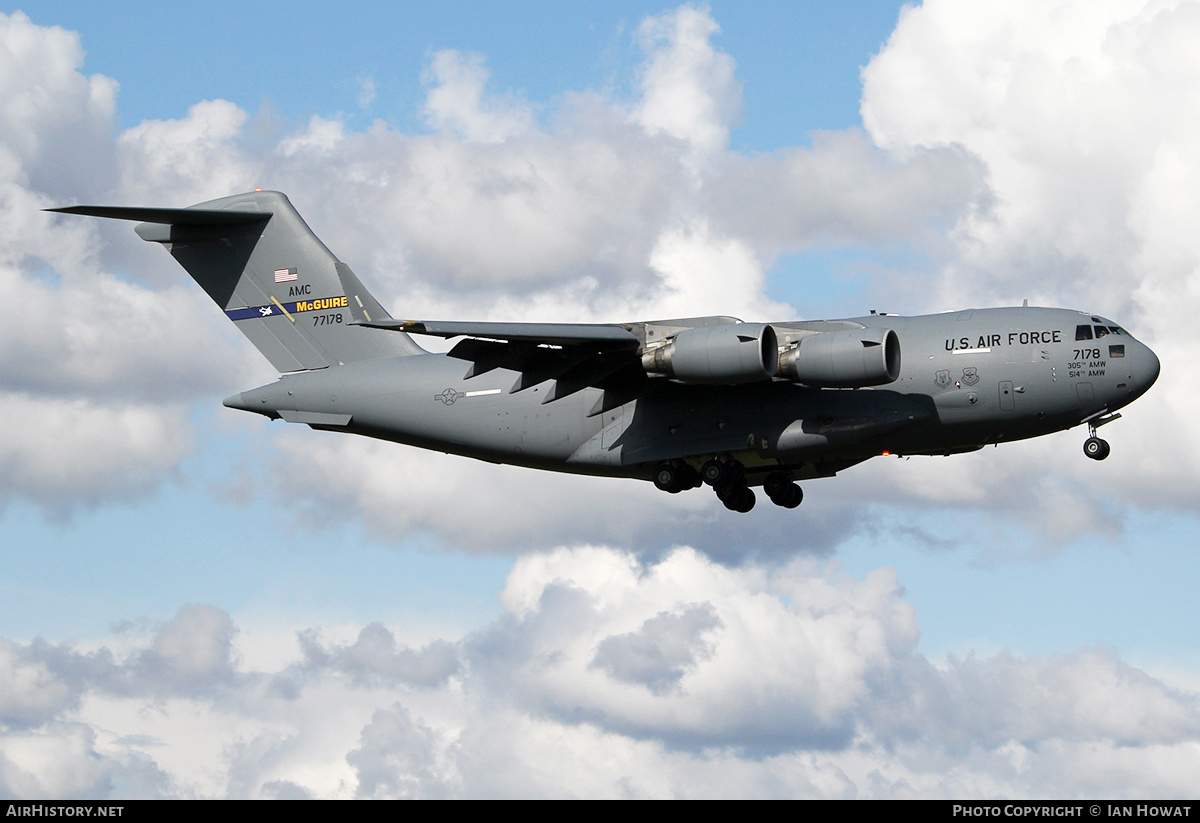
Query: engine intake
(843, 359)
(727, 354)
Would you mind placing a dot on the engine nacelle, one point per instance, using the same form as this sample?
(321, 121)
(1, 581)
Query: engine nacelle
(843, 359)
(727, 354)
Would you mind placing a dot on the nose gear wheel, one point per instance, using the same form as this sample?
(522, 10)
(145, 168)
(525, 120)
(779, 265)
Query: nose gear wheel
(1096, 448)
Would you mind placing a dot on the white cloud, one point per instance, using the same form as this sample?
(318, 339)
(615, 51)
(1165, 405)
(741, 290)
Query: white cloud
(1065, 107)
(438, 224)
(697, 271)
(55, 123)
(29, 693)
(605, 677)
(193, 649)
(320, 138)
(688, 87)
(844, 190)
(456, 101)
(571, 655)
(102, 337)
(662, 650)
(60, 762)
(375, 657)
(180, 162)
(63, 452)
(1084, 116)
(401, 758)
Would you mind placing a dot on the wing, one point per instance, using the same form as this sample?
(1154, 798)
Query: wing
(575, 356)
(558, 334)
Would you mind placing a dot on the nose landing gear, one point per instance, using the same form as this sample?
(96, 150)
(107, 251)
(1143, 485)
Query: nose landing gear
(1096, 448)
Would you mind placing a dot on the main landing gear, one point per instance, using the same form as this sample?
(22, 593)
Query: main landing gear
(728, 479)
(782, 491)
(676, 476)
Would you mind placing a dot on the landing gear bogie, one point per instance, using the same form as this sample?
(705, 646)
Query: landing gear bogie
(676, 476)
(790, 497)
(782, 490)
(738, 498)
(717, 472)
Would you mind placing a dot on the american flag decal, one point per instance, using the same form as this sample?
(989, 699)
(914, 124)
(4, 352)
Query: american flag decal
(286, 275)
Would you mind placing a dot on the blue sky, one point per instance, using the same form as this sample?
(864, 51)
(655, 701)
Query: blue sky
(247, 576)
(312, 62)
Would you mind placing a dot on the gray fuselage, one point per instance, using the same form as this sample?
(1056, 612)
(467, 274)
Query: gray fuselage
(684, 402)
(967, 379)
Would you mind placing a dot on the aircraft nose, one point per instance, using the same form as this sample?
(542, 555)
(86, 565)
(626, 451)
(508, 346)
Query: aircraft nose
(1146, 370)
(1153, 369)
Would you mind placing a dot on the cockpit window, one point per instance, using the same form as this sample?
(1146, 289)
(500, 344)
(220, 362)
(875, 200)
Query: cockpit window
(1118, 330)
(1101, 331)
(1083, 332)
(1116, 351)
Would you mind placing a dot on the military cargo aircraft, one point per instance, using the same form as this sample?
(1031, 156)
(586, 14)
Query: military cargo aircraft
(683, 402)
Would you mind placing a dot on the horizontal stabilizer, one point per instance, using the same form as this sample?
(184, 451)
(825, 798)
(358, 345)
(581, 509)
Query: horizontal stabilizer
(174, 217)
(315, 418)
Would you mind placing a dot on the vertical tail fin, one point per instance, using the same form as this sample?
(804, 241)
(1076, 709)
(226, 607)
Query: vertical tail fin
(261, 263)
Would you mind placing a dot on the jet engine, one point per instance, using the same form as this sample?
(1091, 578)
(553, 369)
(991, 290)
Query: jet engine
(852, 359)
(728, 354)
